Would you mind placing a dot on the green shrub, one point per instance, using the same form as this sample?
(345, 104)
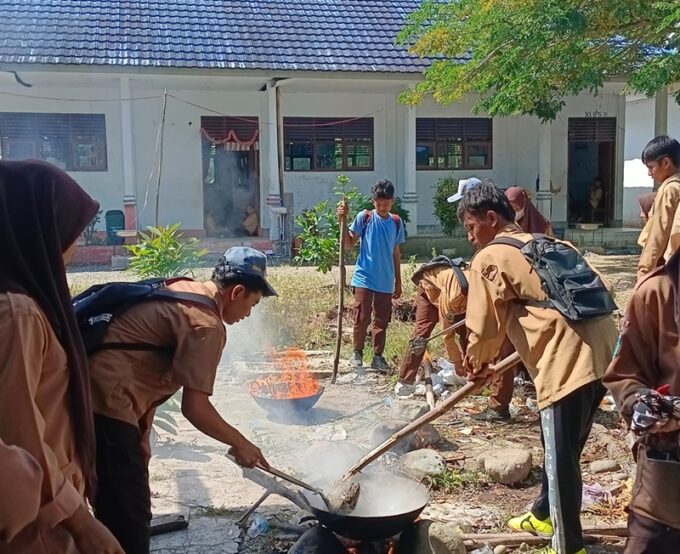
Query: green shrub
(320, 230)
(319, 227)
(162, 252)
(443, 211)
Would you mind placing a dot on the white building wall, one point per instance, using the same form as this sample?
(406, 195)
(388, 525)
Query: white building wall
(639, 131)
(515, 139)
(98, 97)
(181, 196)
(311, 187)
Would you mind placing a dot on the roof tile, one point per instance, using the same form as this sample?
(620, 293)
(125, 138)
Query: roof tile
(329, 35)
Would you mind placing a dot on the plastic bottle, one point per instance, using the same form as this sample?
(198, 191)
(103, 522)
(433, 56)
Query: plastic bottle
(257, 527)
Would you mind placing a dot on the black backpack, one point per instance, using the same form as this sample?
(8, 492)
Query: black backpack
(571, 285)
(457, 264)
(97, 307)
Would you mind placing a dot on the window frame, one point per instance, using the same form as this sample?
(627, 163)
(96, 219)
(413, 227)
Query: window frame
(346, 142)
(437, 141)
(36, 129)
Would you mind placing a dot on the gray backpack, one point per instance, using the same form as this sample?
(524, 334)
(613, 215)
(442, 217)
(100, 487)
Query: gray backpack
(571, 285)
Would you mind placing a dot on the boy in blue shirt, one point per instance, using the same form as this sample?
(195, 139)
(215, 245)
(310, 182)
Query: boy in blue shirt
(377, 274)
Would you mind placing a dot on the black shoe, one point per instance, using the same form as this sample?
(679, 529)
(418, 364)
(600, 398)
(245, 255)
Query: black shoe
(357, 359)
(492, 416)
(380, 364)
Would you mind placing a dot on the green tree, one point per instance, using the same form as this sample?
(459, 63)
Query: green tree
(523, 57)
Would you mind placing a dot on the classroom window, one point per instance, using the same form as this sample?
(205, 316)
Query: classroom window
(328, 144)
(453, 143)
(73, 142)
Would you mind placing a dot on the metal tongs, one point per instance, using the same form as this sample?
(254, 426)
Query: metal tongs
(419, 344)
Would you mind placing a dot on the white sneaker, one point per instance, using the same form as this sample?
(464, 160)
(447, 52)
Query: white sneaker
(404, 390)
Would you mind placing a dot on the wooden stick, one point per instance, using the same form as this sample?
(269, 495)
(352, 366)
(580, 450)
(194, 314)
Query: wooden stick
(341, 298)
(460, 394)
(429, 393)
(590, 533)
(246, 516)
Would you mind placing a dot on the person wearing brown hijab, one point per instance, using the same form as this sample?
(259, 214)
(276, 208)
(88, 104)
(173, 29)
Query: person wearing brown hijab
(44, 381)
(646, 363)
(527, 215)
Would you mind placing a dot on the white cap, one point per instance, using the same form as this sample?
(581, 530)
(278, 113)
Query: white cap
(463, 186)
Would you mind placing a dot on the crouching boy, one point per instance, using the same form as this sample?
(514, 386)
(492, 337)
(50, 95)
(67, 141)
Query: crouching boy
(441, 296)
(644, 373)
(149, 352)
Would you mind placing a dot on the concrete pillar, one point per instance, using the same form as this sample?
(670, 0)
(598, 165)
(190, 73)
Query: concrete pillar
(128, 155)
(410, 196)
(661, 112)
(274, 200)
(543, 195)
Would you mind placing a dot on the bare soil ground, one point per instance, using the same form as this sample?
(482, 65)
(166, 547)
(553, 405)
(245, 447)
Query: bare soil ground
(190, 474)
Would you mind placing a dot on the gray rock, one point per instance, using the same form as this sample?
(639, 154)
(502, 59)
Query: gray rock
(604, 466)
(426, 436)
(506, 465)
(317, 540)
(408, 410)
(431, 537)
(620, 476)
(424, 462)
(500, 549)
(119, 263)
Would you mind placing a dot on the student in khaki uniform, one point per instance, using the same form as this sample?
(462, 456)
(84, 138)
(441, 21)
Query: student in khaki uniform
(44, 385)
(565, 359)
(20, 482)
(529, 220)
(648, 357)
(661, 236)
(440, 298)
(128, 384)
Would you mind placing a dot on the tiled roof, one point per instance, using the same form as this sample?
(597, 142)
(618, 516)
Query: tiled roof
(309, 35)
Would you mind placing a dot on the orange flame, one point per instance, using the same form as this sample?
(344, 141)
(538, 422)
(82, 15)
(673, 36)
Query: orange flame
(294, 381)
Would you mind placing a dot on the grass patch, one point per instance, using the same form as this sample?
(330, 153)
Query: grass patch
(452, 480)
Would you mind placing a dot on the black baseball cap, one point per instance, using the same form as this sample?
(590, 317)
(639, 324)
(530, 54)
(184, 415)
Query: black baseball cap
(243, 260)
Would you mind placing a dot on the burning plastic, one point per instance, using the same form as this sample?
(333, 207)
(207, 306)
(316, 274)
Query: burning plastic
(293, 381)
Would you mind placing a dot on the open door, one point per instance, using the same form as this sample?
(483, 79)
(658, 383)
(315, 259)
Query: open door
(591, 163)
(231, 182)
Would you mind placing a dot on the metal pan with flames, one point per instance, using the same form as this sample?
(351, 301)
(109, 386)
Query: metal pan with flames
(292, 390)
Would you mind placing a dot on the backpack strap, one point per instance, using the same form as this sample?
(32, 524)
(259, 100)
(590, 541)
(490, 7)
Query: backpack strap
(189, 297)
(367, 219)
(397, 220)
(510, 241)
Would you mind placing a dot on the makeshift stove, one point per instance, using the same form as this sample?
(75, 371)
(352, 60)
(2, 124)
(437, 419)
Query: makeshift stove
(292, 390)
(319, 540)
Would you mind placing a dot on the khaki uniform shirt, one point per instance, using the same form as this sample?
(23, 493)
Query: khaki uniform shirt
(561, 356)
(20, 483)
(36, 417)
(126, 384)
(661, 236)
(442, 288)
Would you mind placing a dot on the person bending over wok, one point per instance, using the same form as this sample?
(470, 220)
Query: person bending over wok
(128, 384)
